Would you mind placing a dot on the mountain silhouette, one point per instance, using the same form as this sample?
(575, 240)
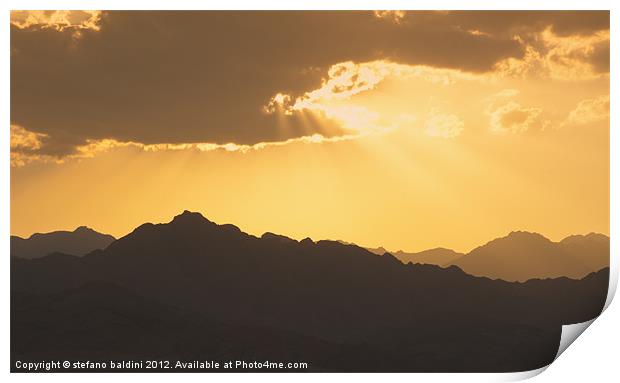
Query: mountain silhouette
(438, 256)
(520, 256)
(592, 249)
(79, 242)
(375, 250)
(523, 255)
(193, 289)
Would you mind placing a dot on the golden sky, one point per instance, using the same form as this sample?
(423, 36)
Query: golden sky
(408, 130)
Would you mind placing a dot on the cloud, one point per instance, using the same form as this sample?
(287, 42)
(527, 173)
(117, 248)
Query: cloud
(510, 23)
(95, 147)
(22, 139)
(509, 116)
(246, 78)
(344, 81)
(395, 16)
(560, 57)
(348, 79)
(513, 118)
(58, 20)
(443, 125)
(588, 111)
(24, 145)
(174, 77)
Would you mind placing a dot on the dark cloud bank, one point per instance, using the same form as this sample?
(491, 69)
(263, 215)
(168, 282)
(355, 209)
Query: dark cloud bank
(172, 77)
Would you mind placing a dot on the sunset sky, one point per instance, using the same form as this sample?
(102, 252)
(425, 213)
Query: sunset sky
(408, 130)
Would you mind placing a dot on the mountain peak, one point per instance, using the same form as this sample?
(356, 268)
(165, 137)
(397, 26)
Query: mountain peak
(524, 234)
(521, 236)
(580, 237)
(83, 229)
(189, 216)
(79, 242)
(515, 241)
(307, 241)
(277, 238)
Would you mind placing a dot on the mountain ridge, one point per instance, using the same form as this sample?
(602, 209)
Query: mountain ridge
(523, 255)
(78, 242)
(318, 298)
(576, 256)
(575, 247)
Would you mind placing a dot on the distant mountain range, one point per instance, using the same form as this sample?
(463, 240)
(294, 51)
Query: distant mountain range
(191, 289)
(520, 256)
(438, 256)
(79, 242)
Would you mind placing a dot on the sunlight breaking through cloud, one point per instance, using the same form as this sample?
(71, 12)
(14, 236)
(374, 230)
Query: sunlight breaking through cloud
(95, 147)
(58, 20)
(559, 57)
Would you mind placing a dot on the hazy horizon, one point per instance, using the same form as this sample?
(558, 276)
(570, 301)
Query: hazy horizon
(259, 234)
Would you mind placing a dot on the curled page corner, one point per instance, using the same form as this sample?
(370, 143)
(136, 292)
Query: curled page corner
(613, 281)
(520, 376)
(571, 332)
